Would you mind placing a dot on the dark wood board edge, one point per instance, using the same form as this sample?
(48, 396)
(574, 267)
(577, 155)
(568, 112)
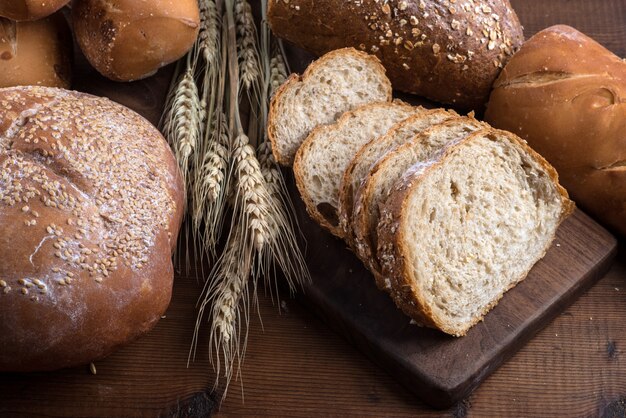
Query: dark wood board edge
(433, 392)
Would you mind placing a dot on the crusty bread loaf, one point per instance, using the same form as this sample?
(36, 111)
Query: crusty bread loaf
(129, 40)
(458, 231)
(340, 81)
(448, 51)
(91, 202)
(370, 153)
(321, 160)
(564, 93)
(35, 53)
(384, 175)
(29, 9)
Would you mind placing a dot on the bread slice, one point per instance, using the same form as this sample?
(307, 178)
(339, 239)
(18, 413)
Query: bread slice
(371, 152)
(457, 232)
(323, 157)
(339, 81)
(379, 181)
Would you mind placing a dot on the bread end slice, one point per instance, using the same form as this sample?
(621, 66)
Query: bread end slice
(337, 82)
(458, 232)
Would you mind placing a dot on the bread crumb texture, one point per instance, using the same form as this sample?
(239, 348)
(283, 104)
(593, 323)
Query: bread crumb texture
(92, 169)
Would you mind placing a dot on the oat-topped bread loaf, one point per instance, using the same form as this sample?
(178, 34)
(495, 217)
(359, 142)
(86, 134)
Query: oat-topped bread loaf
(383, 176)
(325, 154)
(90, 206)
(459, 230)
(371, 152)
(339, 81)
(449, 51)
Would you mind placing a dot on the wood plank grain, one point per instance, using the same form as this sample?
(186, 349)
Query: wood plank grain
(438, 368)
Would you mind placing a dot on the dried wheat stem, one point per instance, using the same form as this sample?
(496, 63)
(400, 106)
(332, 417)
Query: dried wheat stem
(251, 188)
(278, 72)
(208, 36)
(269, 169)
(213, 171)
(247, 51)
(182, 127)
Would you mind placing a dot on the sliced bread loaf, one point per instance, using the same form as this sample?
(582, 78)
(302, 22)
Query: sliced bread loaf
(386, 172)
(324, 155)
(456, 233)
(339, 81)
(372, 151)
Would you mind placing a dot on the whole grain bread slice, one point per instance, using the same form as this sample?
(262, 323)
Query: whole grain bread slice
(324, 155)
(371, 152)
(381, 178)
(457, 232)
(339, 81)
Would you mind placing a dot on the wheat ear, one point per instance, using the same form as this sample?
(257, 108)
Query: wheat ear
(208, 36)
(252, 190)
(226, 294)
(278, 72)
(211, 185)
(247, 50)
(182, 127)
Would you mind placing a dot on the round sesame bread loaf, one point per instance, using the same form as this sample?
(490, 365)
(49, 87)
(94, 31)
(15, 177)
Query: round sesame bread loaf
(91, 203)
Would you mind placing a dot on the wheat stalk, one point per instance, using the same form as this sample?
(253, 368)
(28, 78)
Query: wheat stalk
(278, 72)
(208, 36)
(253, 191)
(182, 124)
(226, 294)
(247, 49)
(261, 238)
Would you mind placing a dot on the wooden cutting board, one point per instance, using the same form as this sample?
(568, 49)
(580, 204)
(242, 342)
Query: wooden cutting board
(438, 368)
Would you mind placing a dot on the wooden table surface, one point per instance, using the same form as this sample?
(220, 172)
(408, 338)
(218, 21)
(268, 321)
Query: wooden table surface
(296, 366)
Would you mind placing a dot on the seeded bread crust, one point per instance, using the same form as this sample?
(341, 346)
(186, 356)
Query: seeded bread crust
(294, 80)
(91, 201)
(299, 168)
(363, 244)
(392, 250)
(367, 157)
(450, 52)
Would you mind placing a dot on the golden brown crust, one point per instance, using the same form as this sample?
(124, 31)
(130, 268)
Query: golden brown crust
(90, 206)
(294, 79)
(271, 123)
(35, 53)
(397, 274)
(563, 92)
(129, 40)
(446, 51)
(347, 194)
(299, 167)
(363, 243)
(21, 10)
